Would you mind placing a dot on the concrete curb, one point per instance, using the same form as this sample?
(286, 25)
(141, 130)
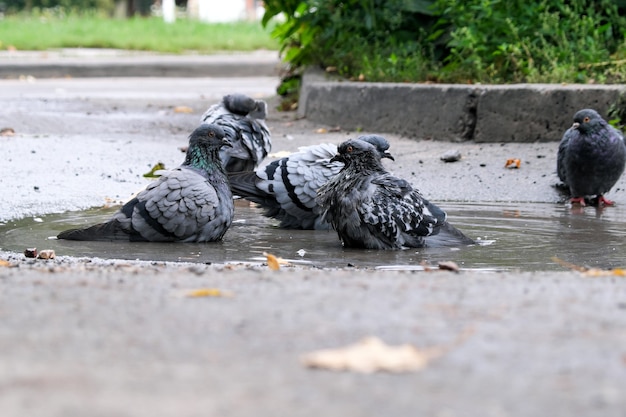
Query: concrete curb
(452, 112)
(481, 113)
(51, 64)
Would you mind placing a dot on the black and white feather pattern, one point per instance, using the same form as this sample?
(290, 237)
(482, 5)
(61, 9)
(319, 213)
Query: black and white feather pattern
(192, 203)
(370, 208)
(243, 121)
(287, 188)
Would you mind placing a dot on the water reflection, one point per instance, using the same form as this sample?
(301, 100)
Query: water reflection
(521, 236)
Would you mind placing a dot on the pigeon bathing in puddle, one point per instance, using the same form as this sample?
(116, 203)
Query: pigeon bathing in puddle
(192, 203)
(287, 188)
(370, 208)
(243, 121)
(591, 157)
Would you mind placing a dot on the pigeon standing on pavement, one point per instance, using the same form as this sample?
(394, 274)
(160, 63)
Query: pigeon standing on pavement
(287, 188)
(591, 157)
(192, 203)
(243, 121)
(370, 208)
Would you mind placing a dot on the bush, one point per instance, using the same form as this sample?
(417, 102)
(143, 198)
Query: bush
(548, 41)
(353, 34)
(495, 41)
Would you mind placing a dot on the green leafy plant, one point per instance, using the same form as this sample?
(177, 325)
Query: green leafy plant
(495, 41)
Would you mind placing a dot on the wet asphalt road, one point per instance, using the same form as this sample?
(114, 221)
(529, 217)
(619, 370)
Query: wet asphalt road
(92, 337)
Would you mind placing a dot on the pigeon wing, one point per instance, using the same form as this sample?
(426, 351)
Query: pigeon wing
(562, 155)
(293, 181)
(177, 207)
(400, 213)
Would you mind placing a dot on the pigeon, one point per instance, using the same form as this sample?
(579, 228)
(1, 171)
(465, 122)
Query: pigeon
(243, 121)
(192, 203)
(372, 209)
(287, 188)
(591, 157)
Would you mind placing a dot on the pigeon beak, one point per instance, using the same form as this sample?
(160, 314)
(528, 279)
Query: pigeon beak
(386, 154)
(575, 125)
(226, 142)
(337, 158)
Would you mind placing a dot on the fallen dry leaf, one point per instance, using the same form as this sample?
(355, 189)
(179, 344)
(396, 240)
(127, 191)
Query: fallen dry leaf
(273, 262)
(46, 254)
(321, 130)
(153, 173)
(5, 263)
(513, 163)
(424, 264)
(7, 131)
(597, 272)
(208, 292)
(370, 355)
(591, 272)
(183, 109)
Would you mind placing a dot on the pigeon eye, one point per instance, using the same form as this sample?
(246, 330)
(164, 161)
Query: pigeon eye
(211, 134)
(349, 149)
(586, 119)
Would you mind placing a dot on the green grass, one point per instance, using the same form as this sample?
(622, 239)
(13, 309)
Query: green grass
(146, 34)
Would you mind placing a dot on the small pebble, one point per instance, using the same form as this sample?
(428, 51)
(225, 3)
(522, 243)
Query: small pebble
(46, 254)
(30, 252)
(449, 266)
(451, 156)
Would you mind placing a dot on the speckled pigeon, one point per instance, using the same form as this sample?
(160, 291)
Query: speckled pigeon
(192, 203)
(287, 188)
(591, 157)
(370, 208)
(243, 121)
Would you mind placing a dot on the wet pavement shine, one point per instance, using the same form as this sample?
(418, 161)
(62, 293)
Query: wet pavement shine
(509, 236)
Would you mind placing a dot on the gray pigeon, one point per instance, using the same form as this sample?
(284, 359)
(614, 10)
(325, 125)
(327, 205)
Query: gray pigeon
(243, 121)
(287, 188)
(591, 157)
(192, 203)
(370, 208)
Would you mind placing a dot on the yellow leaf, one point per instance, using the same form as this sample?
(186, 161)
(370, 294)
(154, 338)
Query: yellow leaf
(568, 264)
(272, 262)
(321, 130)
(153, 171)
(208, 292)
(183, 109)
(513, 163)
(591, 272)
(4, 263)
(596, 272)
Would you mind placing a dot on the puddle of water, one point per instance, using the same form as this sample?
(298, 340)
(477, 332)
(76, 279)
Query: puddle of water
(521, 236)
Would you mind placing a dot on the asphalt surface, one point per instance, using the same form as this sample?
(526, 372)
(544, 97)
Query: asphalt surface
(97, 337)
